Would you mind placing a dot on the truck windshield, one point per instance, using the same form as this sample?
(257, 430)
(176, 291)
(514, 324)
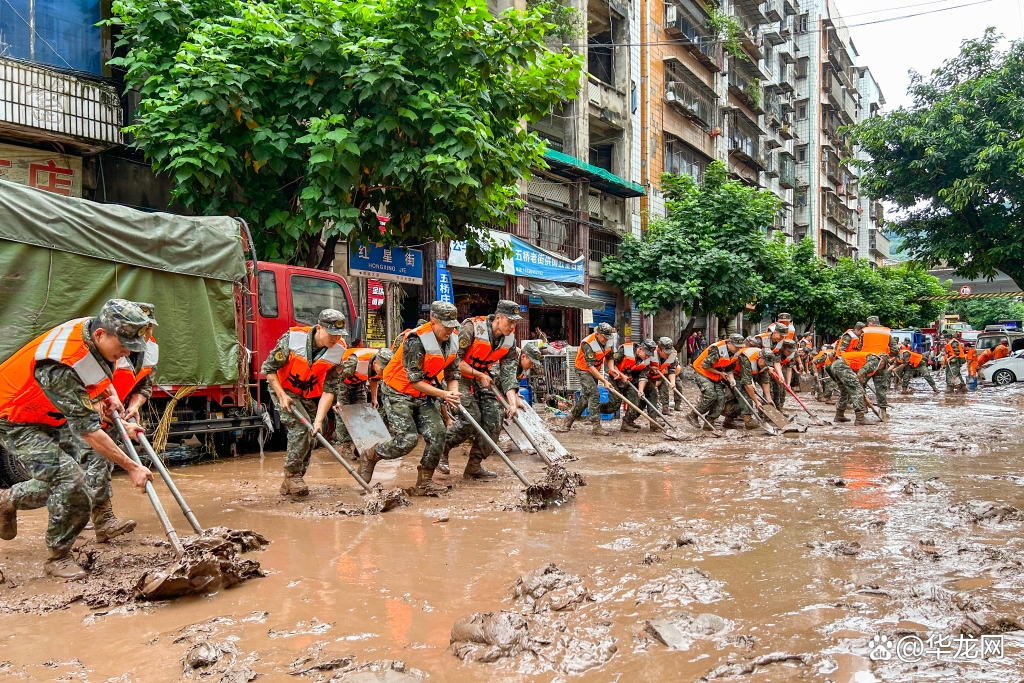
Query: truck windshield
(990, 342)
(310, 295)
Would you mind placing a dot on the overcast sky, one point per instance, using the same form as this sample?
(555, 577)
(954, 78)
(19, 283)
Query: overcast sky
(923, 42)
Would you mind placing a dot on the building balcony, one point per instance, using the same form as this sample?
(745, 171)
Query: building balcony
(837, 212)
(746, 88)
(687, 21)
(39, 104)
(834, 247)
(772, 10)
(787, 170)
(754, 9)
(786, 132)
(877, 212)
(744, 142)
(878, 243)
(685, 99)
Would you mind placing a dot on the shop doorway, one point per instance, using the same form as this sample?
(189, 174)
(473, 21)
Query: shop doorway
(551, 322)
(475, 300)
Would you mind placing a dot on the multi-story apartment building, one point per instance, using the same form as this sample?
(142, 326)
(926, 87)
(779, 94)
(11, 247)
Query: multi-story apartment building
(872, 242)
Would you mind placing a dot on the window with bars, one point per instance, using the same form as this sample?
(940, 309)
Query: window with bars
(681, 160)
(603, 243)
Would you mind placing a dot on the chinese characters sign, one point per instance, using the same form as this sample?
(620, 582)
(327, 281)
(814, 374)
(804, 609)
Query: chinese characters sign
(527, 261)
(49, 171)
(444, 283)
(374, 294)
(386, 263)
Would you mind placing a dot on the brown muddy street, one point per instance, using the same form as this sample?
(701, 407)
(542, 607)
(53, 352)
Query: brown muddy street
(781, 556)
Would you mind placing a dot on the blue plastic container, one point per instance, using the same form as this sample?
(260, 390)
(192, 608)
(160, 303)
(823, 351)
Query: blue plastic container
(527, 394)
(603, 393)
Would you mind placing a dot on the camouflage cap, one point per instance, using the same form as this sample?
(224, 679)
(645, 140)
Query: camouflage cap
(445, 313)
(666, 344)
(649, 345)
(784, 317)
(781, 329)
(420, 322)
(532, 351)
(605, 329)
(789, 343)
(332, 321)
(873, 320)
(736, 339)
(859, 326)
(509, 309)
(127, 321)
(148, 309)
(751, 341)
(384, 356)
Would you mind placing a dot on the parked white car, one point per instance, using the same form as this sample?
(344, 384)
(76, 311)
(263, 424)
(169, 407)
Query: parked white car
(1005, 370)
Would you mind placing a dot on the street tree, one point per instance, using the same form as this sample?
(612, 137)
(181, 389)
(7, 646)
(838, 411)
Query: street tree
(706, 255)
(954, 162)
(308, 118)
(982, 312)
(796, 281)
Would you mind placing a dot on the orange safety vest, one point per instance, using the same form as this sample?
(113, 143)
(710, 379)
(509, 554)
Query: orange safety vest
(480, 355)
(125, 378)
(1000, 351)
(599, 352)
(364, 357)
(854, 344)
(434, 361)
(822, 359)
(950, 353)
(725, 361)
(915, 359)
(629, 362)
(766, 342)
(297, 375)
(753, 355)
(789, 335)
(875, 339)
(857, 359)
(397, 341)
(22, 399)
(668, 365)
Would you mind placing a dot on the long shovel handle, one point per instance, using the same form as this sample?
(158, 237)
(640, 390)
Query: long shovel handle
(738, 394)
(166, 476)
(525, 431)
(330, 449)
(651, 405)
(172, 535)
(650, 420)
(490, 442)
(792, 393)
(690, 405)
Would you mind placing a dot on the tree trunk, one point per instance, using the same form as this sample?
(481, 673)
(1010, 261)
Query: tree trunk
(329, 249)
(686, 332)
(312, 246)
(1015, 270)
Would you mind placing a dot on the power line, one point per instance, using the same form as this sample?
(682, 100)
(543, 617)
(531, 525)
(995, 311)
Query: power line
(37, 34)
(893, 9)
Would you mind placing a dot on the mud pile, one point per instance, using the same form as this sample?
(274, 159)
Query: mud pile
(551, 628)
(558, 486)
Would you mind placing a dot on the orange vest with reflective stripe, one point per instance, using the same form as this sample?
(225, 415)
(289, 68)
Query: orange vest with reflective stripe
(752, 354)
(480, 355)
(915, 359)
(874, 339)
(766, 342)
(22, 399)
(297, 375)
(951, 354)
(125, 378)
(789, 335)
(725, 361)
(822, 359)
(364, 357)
(434, 361)
(599, 352)
(398, 340)
(668, 365)
(857, 359)
(854, 344)
(1000, 351)
(629, 362)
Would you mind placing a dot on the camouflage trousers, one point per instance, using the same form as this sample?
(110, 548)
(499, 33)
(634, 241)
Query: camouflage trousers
(408, 418)
(300, 441)
(590, 397)
(734, 407)
(485, 409)
(351, 395)
(954, 378)
(779, 393)
(626, 388)
(712, 397)
(825, 387)
(678, 402)
(921, 370)
(98, 470)
(880, 382)
(51, 457)
(665, 393)
(850, 389)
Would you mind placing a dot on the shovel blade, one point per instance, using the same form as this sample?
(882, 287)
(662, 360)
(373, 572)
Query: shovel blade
(364, 426)
(774, 416)
(541, 434)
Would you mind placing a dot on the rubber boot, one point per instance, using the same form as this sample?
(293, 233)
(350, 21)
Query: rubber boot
(693, 419)
(442, 465)
(107, 525)
(425, 485)
(882, 412)
(664, 408)
(679, 407)
(749, 422)
(8, 516)
(347, 450)
(861, 420)
(599, 429)
(841, 416)
(476, 470)
(629, 426)
(62, 566)
(367, 461)
(728, 423)
(293, 485)
(566, 424)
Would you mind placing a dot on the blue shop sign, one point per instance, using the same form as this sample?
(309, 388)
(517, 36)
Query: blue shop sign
(527, 260)
(394, 264)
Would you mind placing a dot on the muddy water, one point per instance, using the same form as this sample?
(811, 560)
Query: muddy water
(807, 545)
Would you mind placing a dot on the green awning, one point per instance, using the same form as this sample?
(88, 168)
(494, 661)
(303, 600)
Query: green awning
(599, 178)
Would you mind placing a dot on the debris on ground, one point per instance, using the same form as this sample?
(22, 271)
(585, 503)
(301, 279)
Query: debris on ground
(557, 487)
(385, 499)
(979, 511)
(679, 630)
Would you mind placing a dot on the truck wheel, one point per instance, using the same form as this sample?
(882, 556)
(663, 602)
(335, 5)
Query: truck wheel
(11, 470)
(1003, 377)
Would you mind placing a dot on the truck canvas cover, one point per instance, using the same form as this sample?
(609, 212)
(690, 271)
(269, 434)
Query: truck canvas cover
(62, 257)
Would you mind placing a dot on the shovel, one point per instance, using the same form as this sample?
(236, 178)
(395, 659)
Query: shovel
(647, 417)
(775, 375)
(758, 418)
(690, 405)
(772, 413)
(389, 500)
(166, 476)
(525, 431)
(172, 535)
(556, 488)
(870, 405)
(653, 407)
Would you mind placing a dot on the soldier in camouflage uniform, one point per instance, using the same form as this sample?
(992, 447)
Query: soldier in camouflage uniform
(484, 343)
(714, 378)
(591, 358)
(50, 389)
(304, 372)
(826, 386)
(851, 388)
(410, 387)
(954, 363)
(880, 382)
(666, 361)
(744, 377)
(354, 388)
(909, 371)
(625, 370)
(785, 358)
